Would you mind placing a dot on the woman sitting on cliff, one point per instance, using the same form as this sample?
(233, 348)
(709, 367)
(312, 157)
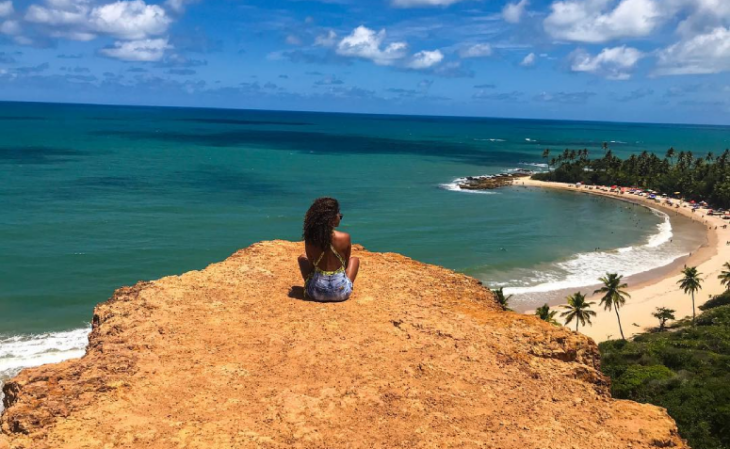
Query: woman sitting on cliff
(329, 278)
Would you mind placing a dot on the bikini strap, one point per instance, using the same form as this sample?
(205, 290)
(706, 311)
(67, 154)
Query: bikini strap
(319, 259)
(332, 248)
(342, 261)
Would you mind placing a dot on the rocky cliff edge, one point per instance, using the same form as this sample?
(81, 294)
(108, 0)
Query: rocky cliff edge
(231, 357)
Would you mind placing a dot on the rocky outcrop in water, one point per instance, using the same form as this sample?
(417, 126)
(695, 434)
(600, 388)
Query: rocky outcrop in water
(231, 357)
(488, 182)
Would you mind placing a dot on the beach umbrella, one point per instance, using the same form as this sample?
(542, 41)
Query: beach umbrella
(692, 202)
(677, 193)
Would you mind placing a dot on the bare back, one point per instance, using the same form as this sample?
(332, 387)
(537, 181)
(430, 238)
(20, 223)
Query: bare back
(341, 242)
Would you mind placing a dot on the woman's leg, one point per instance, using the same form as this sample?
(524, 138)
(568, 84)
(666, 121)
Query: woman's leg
(352, 267)
(305, 266)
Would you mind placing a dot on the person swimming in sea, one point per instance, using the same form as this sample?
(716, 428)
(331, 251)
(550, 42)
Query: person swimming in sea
(327, 268)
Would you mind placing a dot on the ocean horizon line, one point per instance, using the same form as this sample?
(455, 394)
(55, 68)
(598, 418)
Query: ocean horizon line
(370, 114)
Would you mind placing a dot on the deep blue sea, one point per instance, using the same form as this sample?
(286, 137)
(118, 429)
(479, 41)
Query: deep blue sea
(97, 197)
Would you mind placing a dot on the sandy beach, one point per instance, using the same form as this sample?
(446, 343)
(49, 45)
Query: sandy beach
(663, 290)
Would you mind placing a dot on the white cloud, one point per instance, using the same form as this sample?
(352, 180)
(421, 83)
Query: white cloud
(59, 13)
(701, 54)
(78, 20)
(22, 40)
(564, 97)
(705, 16)
(420, 3)
(594, 21)
(476, 51)
(10, 27)
(73, 35)
(366, 44)
(293, 40)
(129, 19)
(178, 6)
(6, 8)
(425, 59)
(613, 63)
(512, 12)
(328, 39)
(529, 60)
(145, 50)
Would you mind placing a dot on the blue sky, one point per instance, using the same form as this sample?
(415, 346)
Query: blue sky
(621, 60)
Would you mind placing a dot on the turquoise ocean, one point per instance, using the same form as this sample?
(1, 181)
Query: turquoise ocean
(97, 197)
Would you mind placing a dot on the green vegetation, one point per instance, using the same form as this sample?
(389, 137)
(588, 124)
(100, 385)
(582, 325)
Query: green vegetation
(663, 315)
(501, 299)
(699, 178)
(725, 276)
(578, 309)
(685, 370)
(613, 295)
(691, 283)
(545, 314)
(722, 299)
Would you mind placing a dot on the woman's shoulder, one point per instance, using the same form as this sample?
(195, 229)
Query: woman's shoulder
(342, 237)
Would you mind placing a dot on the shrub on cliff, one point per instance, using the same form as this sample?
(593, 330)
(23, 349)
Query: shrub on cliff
(686, 370)
(722, 299)
(719, 316)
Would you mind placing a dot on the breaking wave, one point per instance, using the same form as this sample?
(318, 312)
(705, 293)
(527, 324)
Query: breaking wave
(26, 351)
(584, 269)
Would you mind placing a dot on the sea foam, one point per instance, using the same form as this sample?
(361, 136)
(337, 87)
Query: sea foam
(584, 269)
(454, 187)
(26, 351)
(534, 164)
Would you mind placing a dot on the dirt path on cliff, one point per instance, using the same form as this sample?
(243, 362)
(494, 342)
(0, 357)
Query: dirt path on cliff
(228, 357)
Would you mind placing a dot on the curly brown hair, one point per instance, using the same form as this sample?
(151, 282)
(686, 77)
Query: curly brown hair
(318, 222)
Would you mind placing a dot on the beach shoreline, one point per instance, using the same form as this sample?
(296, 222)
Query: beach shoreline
(657, 287)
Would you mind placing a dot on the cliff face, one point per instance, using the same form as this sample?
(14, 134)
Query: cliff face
(228, 357)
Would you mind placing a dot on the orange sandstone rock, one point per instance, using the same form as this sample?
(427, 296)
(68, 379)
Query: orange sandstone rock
(228, 357)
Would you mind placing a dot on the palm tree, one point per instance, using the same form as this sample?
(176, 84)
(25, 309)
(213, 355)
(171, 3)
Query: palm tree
(546, 155)
(578, 309)
(613, 295)
(663, 315)
(725, 276)
(670, 153)
(691, 283)
(501, 299)
(545, 314)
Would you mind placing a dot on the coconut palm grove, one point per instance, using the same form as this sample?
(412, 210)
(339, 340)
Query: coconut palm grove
(694, 177)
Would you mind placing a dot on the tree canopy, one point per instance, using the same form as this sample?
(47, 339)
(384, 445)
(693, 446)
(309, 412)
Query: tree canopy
(696, 177)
